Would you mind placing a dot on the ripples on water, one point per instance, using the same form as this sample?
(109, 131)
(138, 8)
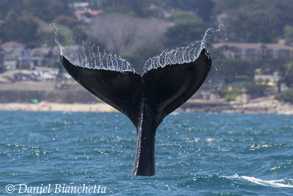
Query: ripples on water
(196, 153)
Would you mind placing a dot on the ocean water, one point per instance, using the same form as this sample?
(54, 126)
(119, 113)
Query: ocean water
(196, 154)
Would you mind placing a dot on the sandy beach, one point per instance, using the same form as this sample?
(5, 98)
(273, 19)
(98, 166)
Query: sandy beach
(266, 105)
(60, 107)
(74, 98)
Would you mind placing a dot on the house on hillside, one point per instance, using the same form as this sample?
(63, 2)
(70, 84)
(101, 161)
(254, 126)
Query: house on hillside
(83, 11)
(43, 56)
(24, 60)
(86, 16)
(16, 55)
(266, 78)
(254, 51)
(272, 81)
(81, 6)
(1, 56)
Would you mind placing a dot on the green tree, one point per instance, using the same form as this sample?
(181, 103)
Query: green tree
(223, 6)
(256, 20)
(6, 6)
(255, 90)
(253, 26)
(230, 70)
(286, 96)
(288, 74)
(282, 65)
(184, 32)
(80, 33)
(139, 58)
(135, 7)
(203, 8)
(288, 33)
(2, 68)
(66, 21)
(46, 10)
(229, 94)
(21, 30)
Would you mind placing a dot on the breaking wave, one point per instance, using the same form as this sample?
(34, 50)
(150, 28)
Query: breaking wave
(283, 183)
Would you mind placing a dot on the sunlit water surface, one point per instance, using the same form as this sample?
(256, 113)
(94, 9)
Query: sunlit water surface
(196, 153)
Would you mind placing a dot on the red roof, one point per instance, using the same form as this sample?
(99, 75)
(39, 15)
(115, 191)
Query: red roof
(91, 12)
(12, 44)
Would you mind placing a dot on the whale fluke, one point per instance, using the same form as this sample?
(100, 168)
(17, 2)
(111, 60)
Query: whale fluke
(145, 99)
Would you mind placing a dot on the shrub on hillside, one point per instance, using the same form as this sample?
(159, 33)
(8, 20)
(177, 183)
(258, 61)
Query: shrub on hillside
(229, 95)
(2, 68)
(286, 96)
(255, 90)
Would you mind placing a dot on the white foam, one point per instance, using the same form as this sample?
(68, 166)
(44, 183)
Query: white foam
(271, 183)
(89, 56)
(182, 55)
(85, 57)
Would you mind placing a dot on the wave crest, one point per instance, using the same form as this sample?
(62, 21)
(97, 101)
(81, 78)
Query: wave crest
(283, 183)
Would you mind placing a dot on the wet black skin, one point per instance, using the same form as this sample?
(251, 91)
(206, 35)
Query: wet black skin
(146, 100)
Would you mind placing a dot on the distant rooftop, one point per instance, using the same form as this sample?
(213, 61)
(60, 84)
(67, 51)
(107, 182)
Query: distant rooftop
(81, 5)
(12, 44)
(91, 12)
(254, 46)
(255, 51)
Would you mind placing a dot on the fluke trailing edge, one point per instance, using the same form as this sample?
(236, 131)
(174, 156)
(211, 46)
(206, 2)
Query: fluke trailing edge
(145, 99)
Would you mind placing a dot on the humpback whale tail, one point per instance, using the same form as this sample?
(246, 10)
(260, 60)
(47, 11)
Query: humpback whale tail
(145, 99)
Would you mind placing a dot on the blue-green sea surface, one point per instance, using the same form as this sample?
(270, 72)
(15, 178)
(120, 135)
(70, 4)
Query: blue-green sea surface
(196, 154)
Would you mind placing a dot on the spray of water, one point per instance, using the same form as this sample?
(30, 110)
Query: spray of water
(89, 56)
(182, 55)
(55, 29)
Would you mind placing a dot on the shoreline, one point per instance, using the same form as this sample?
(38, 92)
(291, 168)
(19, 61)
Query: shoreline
(257, 106)
(71, 97)
(56, 107)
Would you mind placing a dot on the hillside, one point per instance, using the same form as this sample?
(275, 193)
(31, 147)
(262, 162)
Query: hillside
(257, 42)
